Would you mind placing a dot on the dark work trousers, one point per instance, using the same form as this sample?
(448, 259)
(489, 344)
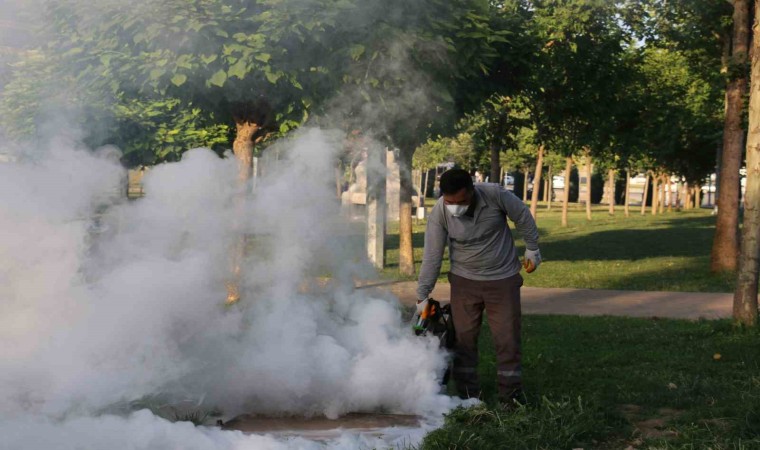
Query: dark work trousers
(501, 301)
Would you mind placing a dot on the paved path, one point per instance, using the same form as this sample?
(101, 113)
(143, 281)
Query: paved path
(594, 302)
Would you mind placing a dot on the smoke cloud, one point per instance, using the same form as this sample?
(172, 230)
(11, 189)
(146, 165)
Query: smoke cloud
(107, 303)
(109, 306)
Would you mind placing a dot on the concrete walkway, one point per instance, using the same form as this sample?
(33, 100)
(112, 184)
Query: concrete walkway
(593, 302)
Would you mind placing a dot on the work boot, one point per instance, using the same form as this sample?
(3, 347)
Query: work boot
(513, 399)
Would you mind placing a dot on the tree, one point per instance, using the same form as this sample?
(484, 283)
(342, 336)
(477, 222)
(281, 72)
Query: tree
(537, 181)
(745, 296)
(521, 158)
(494, 126)
(258, 65)
(574, 86)
(428, 155)
(555, 164)
(715, 49)
(409, 59)
(677, 112)
(463, 152)
(726, 243)
(147, 131)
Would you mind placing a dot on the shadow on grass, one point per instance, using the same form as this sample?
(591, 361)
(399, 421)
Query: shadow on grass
(392, 240)
(690, 237)
(692, 277)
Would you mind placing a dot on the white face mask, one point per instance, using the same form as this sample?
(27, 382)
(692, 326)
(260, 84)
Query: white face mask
(457, 210)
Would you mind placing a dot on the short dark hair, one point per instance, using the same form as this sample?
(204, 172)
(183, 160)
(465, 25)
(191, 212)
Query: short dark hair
(454, 180)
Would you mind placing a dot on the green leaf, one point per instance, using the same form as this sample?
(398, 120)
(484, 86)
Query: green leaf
(263, 57)
(74, 51)
(179, 79)
(106, 60)
(239, 69)
(155, 74)
(185, 62)
(208, 59)
(272, 77)
(356, 51)
(219, 78)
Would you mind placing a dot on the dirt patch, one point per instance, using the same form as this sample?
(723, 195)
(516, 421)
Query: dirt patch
(306, 425)
(650, 427)
(720, 424)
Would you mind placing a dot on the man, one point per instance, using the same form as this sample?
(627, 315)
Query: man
(484, 275)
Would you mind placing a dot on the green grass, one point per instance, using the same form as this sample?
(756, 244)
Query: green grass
(668, 252)
(594, 382)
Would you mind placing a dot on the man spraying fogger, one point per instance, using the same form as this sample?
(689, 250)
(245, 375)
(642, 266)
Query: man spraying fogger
(485, 274)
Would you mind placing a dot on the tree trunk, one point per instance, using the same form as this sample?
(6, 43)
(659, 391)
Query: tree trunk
(549, 188)
(745, 296)
(566, 190)
(588, 186)
(655, 194)
(406, 249)
(646, 193)
(525, 185)
(611, 181)
(697, 197)
(677, 199)
(663, 196)
(668, 194)
(628, 193)
(242, 148)
(495, 165)
(687, 193)
(690, 197)
(426, 173)
(725, 244)
(537, 181)
(686, 196)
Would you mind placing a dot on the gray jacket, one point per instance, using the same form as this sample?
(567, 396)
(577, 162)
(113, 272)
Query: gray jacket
(480, 247)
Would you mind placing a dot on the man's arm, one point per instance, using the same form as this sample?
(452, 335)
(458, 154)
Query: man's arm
(519, 213)
(435, 242)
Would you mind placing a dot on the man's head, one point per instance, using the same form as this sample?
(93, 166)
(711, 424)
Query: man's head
(457, 190)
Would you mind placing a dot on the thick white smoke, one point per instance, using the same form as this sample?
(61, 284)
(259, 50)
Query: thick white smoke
(104, 301)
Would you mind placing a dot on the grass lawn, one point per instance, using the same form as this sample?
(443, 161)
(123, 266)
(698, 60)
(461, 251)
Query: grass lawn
(669, 252)
(611, 383)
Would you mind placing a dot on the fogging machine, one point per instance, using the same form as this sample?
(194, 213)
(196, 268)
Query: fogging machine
(436, 320)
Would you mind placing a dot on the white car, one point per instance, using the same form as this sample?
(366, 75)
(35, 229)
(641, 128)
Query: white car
(558, 182)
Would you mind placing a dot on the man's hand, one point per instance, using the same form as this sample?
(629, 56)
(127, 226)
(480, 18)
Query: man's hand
(421, 305)
(532, 260)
